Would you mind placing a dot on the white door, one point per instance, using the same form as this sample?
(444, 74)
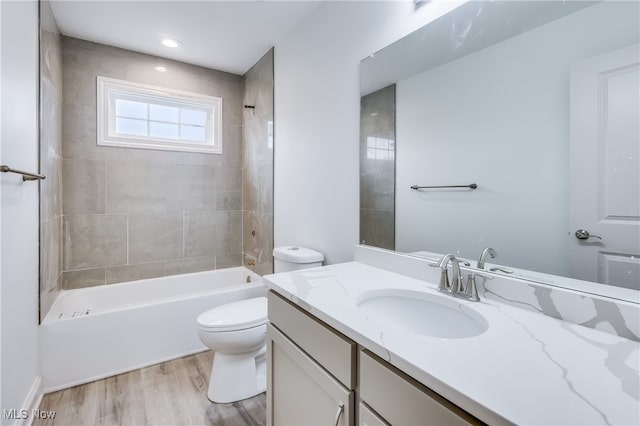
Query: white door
(605, 169)
(18, 206)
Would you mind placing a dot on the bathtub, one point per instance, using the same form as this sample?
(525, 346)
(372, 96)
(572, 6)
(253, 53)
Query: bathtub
(97, 332)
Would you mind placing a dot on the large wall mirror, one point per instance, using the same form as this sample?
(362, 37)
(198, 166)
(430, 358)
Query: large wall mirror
(527, 114)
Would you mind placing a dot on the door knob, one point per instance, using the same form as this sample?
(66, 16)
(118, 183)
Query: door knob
(583, 234)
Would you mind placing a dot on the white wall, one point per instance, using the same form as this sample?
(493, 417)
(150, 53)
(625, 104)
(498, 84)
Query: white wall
(317, 101)
(499, 118)
(19, 205)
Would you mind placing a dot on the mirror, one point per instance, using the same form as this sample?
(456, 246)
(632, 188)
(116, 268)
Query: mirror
(534, 103)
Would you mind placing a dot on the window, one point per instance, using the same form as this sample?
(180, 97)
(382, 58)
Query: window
(380, 148)
(142, 116)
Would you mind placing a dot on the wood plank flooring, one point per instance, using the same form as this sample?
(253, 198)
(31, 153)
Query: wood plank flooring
(172, 393)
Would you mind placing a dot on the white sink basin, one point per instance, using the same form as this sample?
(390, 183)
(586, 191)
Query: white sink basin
(415, 312)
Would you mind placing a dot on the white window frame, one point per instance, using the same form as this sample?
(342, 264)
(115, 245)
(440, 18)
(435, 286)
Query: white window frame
(106, 117)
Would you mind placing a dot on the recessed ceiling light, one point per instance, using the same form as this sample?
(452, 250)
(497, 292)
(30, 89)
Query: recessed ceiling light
(161, 69)
(169, 42)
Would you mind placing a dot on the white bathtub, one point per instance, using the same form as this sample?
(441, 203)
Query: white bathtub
(96, 332)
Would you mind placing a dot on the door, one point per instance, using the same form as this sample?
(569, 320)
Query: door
(605, 169)
(18, 205)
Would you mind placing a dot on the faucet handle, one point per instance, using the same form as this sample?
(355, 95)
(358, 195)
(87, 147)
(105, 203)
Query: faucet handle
(444, 284)
(471, 289)
(455, 286)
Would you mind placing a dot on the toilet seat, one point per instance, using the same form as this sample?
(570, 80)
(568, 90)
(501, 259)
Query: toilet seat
(234, 316)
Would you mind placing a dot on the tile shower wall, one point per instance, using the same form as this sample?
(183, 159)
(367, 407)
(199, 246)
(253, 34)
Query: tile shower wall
(129, 213)
(377, 168)
(50, 159)
(257, 166)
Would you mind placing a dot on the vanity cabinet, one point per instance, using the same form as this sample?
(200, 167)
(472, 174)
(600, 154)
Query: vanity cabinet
(317, 376)
(390, 397)
(366, 417)
(311, 370)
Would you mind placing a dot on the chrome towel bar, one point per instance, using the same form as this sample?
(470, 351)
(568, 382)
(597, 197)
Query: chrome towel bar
(25, 175)
(472, 186)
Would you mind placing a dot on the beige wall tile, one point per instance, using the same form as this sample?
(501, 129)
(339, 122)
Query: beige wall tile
(265, 268)
(155, 237)
(377, 191)
(190, 264)
(228, 260)
(260, 245)
(83, 181)
(50, 160)
(155, 189)
(228, 177)
(235, 232)
(136, 187)
(50, 259)
(201, 232)
(259, 87)
(79, 131)
(124, 273)
(377, 228)
(92, 241)
(228, 199)
(83, 278)
(140, 187)
(257, 164)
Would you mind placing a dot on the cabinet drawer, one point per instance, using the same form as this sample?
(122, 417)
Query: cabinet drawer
(332, 350)
(368, 417)
(400, 400)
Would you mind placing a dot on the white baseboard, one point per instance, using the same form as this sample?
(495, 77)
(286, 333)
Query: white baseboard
(31, 402)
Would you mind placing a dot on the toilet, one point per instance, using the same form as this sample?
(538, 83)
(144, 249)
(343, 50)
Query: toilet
(293, 258)
(236, 333)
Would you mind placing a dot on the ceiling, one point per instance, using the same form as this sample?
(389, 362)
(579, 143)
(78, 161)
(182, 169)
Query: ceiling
(224, 35)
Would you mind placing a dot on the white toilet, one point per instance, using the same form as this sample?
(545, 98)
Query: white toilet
(236, 332)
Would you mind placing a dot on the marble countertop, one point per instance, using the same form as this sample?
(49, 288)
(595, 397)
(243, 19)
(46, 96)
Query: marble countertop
(526, 368)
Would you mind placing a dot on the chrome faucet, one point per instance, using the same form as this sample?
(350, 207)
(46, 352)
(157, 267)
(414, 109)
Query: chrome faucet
(488, 251)
(445, 285)
(455, 287)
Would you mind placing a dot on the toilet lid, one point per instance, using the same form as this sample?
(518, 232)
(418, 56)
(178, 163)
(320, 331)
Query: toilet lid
(235, 316)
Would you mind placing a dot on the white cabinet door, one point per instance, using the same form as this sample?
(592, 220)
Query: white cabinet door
(605, 168)
(299, 391)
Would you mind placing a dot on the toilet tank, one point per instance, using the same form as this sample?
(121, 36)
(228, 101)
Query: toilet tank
(292, 258)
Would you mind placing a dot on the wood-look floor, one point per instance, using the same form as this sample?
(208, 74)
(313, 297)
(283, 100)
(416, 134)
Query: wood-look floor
(172, 393)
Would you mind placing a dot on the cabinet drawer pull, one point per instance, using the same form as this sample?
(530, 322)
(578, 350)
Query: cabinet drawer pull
(338, 413)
